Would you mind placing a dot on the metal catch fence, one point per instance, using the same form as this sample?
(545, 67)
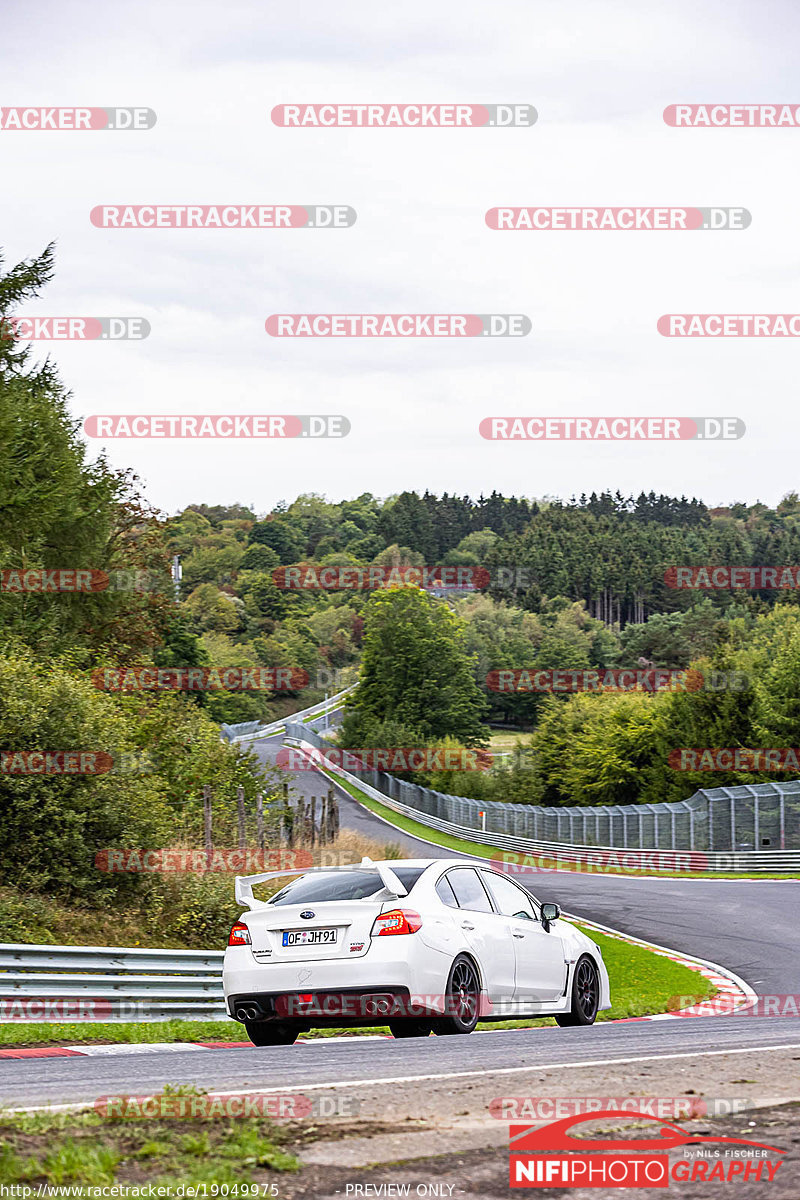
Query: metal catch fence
(759, 823)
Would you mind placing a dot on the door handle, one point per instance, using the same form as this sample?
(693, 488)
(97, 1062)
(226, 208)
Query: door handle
(518, 935)
(467, 925)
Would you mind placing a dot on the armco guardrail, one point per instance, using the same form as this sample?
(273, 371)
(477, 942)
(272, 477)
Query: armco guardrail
(690, 826)
(101, 983)
(253, 731)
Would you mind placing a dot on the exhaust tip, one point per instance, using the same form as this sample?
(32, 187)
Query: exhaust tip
(247, 1012)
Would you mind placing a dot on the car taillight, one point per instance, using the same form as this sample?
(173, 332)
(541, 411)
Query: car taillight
(239, 935)
(397, 920)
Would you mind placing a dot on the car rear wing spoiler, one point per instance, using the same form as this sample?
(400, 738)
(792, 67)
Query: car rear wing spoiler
(243, 887)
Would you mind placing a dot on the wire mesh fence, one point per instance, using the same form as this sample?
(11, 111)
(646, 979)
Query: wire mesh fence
(750, 817)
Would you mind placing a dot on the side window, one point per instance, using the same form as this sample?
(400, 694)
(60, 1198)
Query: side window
(511, 900)
(445, 893)
(469, 891)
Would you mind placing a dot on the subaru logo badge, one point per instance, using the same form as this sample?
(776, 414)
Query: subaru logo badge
(307, 915)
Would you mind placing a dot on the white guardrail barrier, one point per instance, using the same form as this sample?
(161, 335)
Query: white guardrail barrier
(252, 731)
(102, 983)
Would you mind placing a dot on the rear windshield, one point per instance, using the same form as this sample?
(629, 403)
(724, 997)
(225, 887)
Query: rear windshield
(344, 885)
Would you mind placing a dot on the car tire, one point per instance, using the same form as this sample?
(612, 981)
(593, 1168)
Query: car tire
(462, 999)
(267, 1033)
(407, 1029)
(585, 995)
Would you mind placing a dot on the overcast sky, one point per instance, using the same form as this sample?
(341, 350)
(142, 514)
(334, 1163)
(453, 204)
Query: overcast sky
(599, 73)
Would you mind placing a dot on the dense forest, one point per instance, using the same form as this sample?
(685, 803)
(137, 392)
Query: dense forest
(571, 585)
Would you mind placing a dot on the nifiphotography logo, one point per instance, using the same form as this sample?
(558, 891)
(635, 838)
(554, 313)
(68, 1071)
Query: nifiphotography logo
(634, 1162)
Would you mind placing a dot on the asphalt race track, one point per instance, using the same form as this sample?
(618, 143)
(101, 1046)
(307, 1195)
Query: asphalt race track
(750, 927)
(328, 1062)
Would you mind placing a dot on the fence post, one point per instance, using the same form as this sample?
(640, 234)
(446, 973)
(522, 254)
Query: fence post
(288, 816)
(331, 814)
(242, 838)
(323, 820)
(313, 810)
(260, 821)
(207, 836)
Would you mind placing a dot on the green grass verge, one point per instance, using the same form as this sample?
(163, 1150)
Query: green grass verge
(463, 846)
(80, 1150)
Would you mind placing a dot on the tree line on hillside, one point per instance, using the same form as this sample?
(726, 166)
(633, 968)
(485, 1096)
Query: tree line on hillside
(419, 687)
(587, 590)
(61, 512)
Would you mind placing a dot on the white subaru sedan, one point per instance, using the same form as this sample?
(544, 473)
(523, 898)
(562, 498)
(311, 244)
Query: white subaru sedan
(420, 945)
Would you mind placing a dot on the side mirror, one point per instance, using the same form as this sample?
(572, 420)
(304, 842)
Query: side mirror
(550, 912)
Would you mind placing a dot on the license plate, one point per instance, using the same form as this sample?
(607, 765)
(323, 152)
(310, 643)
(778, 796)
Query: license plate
(309, 937)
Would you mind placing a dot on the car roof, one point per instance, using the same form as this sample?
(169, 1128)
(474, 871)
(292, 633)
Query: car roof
(392, 863)
(423, 863)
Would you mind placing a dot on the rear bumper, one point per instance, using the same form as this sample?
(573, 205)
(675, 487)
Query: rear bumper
(414, 985)
(351, 1007)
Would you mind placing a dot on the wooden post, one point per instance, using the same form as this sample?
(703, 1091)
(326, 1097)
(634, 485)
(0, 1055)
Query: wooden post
(323, 820)
(331, 815)
(260, 821)
(209, 846)
(240, 817)
(288, 816)
(313, 810)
